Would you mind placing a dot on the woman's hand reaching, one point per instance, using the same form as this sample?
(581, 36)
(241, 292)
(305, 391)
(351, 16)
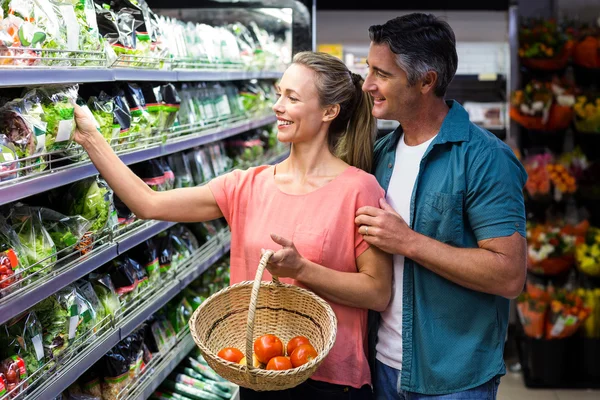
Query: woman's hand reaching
(287, 262)
(86, 127)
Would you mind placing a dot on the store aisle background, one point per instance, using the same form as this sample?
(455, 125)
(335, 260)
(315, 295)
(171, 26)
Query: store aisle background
(513, 388)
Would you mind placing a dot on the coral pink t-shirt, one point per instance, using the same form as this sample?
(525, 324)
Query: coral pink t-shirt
(321, 225)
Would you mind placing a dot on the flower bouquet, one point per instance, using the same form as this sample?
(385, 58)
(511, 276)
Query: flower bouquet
(543, 45)
(587, 114)
(548, 177)
(587, 253)
(591, 300)
(544, 107)
(586, 51)
(550, 249)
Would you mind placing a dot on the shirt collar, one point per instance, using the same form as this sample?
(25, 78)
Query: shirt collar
(455, 127)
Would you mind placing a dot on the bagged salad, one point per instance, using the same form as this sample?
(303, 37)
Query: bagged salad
(122, 117)
(101, 109)
(54, 316)
(116, 374)
(13, 375)
(59, 115)
(106, 292)
(147, 255)
(92, 199)
(40, 251)
(165, 251)
(141, 121)
(66, 232)
(23, 336)
(125, 279)
(152, 173)
(179, 313)
(8, 159)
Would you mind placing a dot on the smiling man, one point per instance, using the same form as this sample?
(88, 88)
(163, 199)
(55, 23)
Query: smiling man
(453, 218)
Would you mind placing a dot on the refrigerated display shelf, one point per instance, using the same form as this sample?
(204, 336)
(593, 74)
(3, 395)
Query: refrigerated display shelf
(74, 368)
(10, 191)
(53, 76)
(28, 296)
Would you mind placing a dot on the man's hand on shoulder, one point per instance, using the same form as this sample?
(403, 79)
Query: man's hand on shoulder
(384, 228)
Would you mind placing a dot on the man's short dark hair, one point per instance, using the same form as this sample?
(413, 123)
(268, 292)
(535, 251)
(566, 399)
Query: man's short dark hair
(422, 43)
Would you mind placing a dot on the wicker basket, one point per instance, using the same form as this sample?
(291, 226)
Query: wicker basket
(225, 320)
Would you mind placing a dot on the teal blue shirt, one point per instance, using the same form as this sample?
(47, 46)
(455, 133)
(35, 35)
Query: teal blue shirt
(469, 188)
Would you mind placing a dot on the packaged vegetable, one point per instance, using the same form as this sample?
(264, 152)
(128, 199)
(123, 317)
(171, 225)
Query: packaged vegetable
(194, 298)
(171, 105)
(189, 391)
(92, 199)
(13, 258)
(23, 336)
(166, 395)
(151, 173)
(105, 290)
(116, 374)
(66, 232)
(142, 276)
(181, 169)
(54, 316)
(86, 290)
(102, 108)
(154, 338)
(169, 175)
(8, 159)
(179, 312)
(14, 370)
(165, 251)
(40, 251)
(203, 370)
(59, 115)
(89, 36)
(22, 125)
(122, 117)
(199, 384)
(141, 126)
(124, 277)
(146, 254)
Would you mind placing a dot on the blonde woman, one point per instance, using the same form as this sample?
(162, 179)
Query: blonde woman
(303, 208)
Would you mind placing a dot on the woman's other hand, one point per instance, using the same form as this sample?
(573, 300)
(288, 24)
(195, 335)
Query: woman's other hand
(287, 262)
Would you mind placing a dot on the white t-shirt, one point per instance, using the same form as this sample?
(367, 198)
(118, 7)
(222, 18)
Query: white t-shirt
(399, 194)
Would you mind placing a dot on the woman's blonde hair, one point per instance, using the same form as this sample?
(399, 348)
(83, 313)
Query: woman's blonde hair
(352, 133)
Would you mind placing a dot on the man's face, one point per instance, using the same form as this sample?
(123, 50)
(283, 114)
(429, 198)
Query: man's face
(393, 97)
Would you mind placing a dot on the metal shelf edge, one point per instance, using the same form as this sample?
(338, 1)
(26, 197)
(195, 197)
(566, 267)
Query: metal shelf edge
(39, 76)
(21, 303)
(77, 366)
(132, 322)
(132, 239)
(182, 349)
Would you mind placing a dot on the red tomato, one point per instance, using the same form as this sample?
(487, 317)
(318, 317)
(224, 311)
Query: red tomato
(267, 347)
(295, 342)
(231, 354)
(303, 354)
(279, 363)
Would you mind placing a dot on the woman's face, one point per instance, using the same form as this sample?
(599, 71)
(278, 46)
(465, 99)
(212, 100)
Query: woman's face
(299, 114)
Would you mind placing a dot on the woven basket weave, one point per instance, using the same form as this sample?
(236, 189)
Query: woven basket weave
(236, 316)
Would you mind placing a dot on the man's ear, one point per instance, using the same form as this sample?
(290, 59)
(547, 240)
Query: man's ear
(429, 82)
(331, 112)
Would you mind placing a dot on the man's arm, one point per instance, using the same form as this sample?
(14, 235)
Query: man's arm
(497, 267)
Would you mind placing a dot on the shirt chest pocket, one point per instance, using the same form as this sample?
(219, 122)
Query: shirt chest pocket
(310, 242)
(442, 217)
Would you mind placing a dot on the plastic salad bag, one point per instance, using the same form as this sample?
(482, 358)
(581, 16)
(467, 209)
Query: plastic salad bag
(89, 36)
(141, 275)
(66, 232)
(23, 336)
(122, 116)
(106, 292)
(87, 313)
(146, 254)
(86, 290)
(59, 115)
(92, 199)
(8, 157)
(54, 314)
(40, 251)
(102, 109)
(169, 175)
(151, 173)
(141, 121)
(116, 374)
(181, 169)
(124, 277)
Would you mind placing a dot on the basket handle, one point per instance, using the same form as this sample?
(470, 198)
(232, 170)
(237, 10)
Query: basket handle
(252, 309)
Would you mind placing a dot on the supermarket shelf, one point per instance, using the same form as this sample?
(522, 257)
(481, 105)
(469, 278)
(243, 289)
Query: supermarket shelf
(69, 373)
(132, 322)
(53, 179)
(31, 295)
(52, 76)
(175, 356)
(192, 275)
